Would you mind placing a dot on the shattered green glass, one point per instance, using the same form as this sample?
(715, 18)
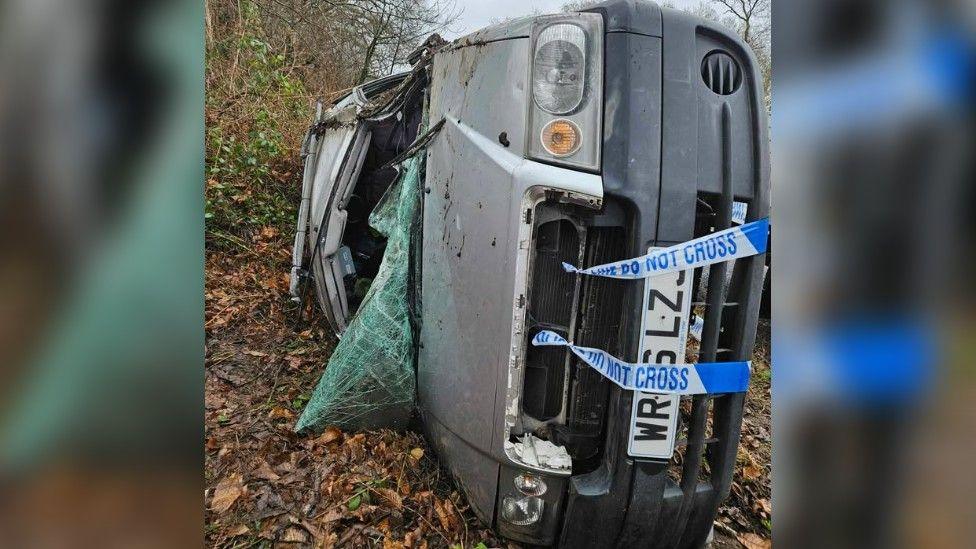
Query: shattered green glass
(370, 379)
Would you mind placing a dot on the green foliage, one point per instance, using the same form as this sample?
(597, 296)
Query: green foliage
(765, 375)
(257, 110)
(355, 502)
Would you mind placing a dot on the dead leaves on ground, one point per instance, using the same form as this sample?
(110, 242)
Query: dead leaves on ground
(227, 492)
(341, 489)
(754, 541)
(748, 508)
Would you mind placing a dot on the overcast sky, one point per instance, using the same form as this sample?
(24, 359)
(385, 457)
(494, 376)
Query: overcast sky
(477, 14)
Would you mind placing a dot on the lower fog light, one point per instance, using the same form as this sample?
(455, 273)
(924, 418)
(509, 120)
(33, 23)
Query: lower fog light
(522, 511)
(530, 485)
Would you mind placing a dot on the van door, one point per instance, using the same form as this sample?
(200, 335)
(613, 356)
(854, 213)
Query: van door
(335, 149)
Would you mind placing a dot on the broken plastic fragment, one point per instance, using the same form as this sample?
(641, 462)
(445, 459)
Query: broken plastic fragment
(541, 453)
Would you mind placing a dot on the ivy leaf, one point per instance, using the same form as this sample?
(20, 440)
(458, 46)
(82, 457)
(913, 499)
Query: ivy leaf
(355, 502)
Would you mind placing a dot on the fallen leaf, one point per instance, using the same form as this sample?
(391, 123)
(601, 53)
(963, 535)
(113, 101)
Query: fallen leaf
(331, 516)
(328, 541)
(417, 453)
(390, 497)
(239, 531)
(227, 492)
(355, 502)
(751, 472)
(278, 413)
(765, 506)
(754, 541)
(451, 512)
(265, 472)
(294, 535)
(442, 515)
(255, 353)
(311, 529)
(357, 439)
(267, 504)
(404, 487)
(331, 434)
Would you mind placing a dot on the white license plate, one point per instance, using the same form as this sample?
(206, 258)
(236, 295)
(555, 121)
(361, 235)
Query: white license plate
(664, 331)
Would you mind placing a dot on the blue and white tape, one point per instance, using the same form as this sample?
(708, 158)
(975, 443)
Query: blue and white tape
(678, 379)
(733, 243)
(696, 328)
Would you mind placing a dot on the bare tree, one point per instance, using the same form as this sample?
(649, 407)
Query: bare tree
(752, 17)
(334, 44)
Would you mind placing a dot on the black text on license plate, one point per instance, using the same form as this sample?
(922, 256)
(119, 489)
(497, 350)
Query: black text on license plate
(664, 331)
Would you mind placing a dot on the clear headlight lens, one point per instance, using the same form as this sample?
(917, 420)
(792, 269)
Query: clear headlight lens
(522, 511)
(559, 68)
(530, 485)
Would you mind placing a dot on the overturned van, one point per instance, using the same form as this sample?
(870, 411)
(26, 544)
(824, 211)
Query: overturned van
(580, 138)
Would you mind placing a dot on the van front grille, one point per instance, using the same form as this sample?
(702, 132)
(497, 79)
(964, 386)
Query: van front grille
(550, 307)
(598, 321)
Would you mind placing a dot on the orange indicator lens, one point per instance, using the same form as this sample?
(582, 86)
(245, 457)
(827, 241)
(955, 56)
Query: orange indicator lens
(561, 137)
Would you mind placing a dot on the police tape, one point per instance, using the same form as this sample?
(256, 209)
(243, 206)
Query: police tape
(679, 379)
(697, 327)
(733, 243)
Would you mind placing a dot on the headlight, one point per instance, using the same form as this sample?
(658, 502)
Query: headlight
(559, 68)
(566, 107)
(522, 511)
(530, 485)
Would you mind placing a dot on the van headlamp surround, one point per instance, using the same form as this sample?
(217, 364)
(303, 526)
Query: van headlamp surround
(566, 91)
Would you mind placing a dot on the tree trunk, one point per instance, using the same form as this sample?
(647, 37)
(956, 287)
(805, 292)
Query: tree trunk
(369, 57)
(207, 24)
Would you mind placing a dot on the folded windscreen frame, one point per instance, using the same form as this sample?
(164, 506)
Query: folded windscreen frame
(370, 379)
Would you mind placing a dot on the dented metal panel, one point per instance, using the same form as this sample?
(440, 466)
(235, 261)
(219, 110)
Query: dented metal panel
(476, 242)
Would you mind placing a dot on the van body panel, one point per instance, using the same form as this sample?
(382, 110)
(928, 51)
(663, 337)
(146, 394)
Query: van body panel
(473, 210)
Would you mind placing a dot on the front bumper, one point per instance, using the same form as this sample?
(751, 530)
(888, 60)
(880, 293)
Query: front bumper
(703, 151)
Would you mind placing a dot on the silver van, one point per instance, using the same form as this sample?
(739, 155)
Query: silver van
(584, 138)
